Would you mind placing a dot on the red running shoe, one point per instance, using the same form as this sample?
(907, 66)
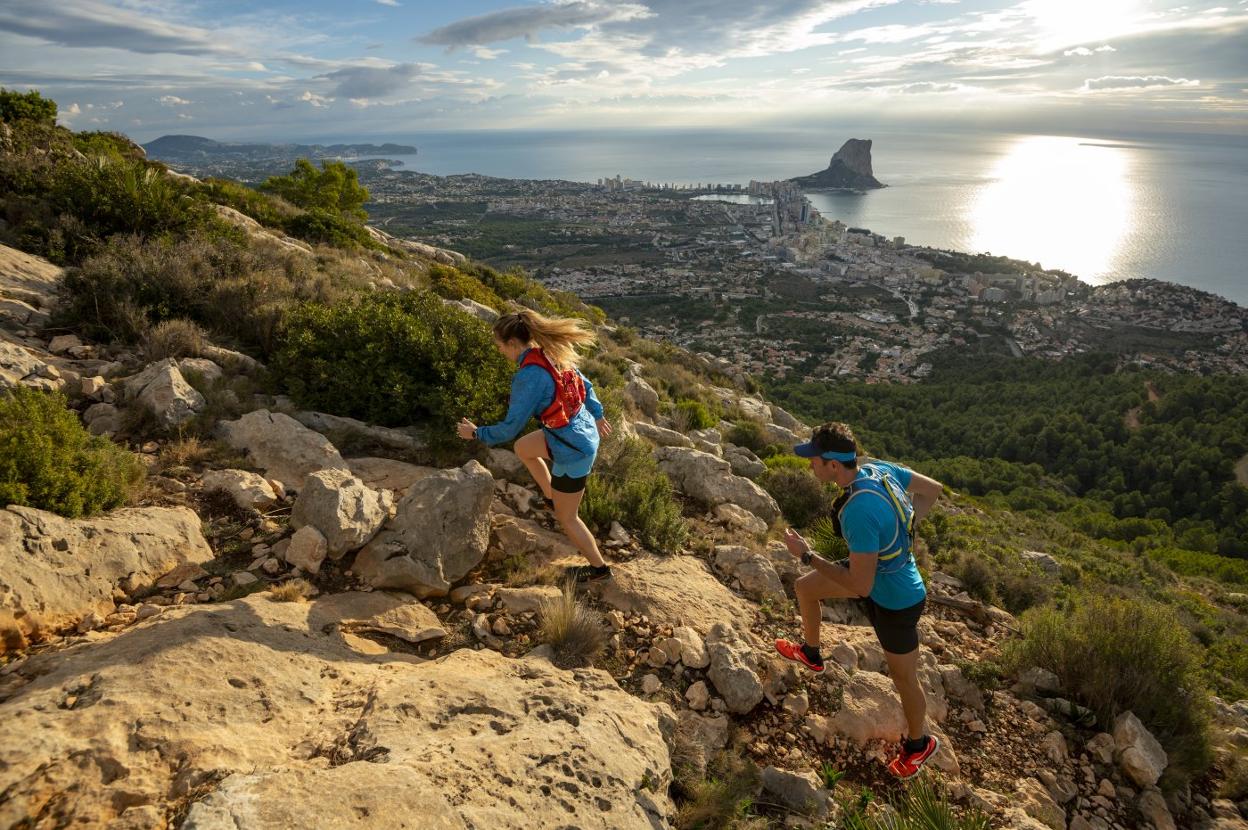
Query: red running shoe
(793, 651)
(907, 764)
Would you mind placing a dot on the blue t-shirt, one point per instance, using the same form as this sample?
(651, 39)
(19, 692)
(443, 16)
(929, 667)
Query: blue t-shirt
(532, 390)
(870, 525)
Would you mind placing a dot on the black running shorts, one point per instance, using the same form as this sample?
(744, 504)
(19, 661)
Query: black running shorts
(898, 631)
(568, 484)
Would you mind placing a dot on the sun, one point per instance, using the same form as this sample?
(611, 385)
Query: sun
(1061, 23)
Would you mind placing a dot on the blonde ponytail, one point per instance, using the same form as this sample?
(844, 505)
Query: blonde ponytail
(557, 337)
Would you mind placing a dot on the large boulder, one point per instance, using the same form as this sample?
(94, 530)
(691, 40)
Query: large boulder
(1035, 801)
(16, 364)
(734, 669)
(1139, 754)
(642, 395)
(871, 711)
(709, 480)
(248, 490)
(675, 590)
(281, 446)
(55, 572)
(661, 436)
(346, 512)
(743, 462)
(409, 439)
(268, 707)
(161, 389)
(387, 473)
(439, 532)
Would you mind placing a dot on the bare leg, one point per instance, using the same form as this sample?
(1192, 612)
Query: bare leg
(531, 449)
(904, 669)
(810, 589)
(567, 506)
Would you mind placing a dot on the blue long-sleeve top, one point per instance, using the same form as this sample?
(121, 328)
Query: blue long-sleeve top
(532, 390)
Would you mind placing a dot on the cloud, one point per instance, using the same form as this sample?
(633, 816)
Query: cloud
(928, 87)
(393, 3)
(1134, 82)
(90, 23)
(372, 81)
(1084, 52)
(487, 54)
(173, 101)
(314, 99)
(1106, 48)
(527, 21)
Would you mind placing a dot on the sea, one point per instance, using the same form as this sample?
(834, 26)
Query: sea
(1103, 207)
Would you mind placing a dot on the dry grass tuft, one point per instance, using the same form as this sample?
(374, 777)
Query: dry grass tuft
(174, 338)
(295, 590)
(575, 631)
(185, 451)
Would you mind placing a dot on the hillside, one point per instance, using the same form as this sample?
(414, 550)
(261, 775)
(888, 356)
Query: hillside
(248, 578)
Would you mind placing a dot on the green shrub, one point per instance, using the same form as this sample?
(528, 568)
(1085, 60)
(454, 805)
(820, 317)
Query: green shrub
(628, 487)
(787, 461)
(697, 414)
(802, 497)
(748, 434)
(26, 106)
(108, 144)
(723, 798)
(919, 806)
(334, 189)
(393, 359)
(1118, 655)
(329, 228)
(272, 211)
(49, 461)
(456, 285)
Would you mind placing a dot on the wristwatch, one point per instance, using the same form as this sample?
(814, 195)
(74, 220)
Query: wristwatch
(807, 556)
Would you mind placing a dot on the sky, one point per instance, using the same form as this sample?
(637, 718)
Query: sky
(331, 70)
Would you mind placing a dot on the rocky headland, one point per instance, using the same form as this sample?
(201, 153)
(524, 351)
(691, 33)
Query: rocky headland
(849, 169)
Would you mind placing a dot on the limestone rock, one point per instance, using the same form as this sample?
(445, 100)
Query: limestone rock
(693, 652)
(388, 612)
(1041, 560)
(408, 439)
(754, 571)
(709, 480)
(786, 420)
(850, 168)
(285, 449)
(675, 590)
(16, 364)
(162, 390)
(643, 395)
(1139, 754)
(346, 512)
(305, 731)
(208, 371)
(743, 462)
(248, 490)
(307, 549)
(738, 518)
(1036, 801)
(698, 695)
(505, 465)
(661, 436)
(734, 669)
(439, 532)
(798, 791)
(532, 598)
(55, 571)
(387, 473)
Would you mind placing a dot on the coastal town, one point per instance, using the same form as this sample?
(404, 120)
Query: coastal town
(758, 281)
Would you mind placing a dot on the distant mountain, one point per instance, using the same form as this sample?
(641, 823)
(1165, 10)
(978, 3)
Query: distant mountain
(850, 168)
(192, 148)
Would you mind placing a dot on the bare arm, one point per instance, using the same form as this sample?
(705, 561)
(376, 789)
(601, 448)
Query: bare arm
(923, 494)
(859, 577)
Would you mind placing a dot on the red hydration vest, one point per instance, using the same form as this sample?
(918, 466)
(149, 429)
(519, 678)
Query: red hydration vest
(569, 391)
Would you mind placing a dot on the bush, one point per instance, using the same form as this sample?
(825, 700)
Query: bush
(748, 434)
(628, 487)
(456, 285)
(1118, 655)
(802, 497)
(48, 461)
(574, 631)
(26, 106)
(697, 414)
(393, 359)
(174, 338)
(787, 461)
(334, 189)
(329, 228)
(271, 211)
(920, 806)
(724, 798)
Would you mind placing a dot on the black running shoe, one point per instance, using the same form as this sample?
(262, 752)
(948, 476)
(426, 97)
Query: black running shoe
(589, 573)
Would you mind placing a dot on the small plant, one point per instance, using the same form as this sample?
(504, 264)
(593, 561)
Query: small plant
(697, 414)
(294, 590)
(185, 451)
(802, 498)
(748, 434)
(574, 631)
(920, 806)
(830, 775)
(49, 461)
(826, 541)
(985, 674)
(629, 488)
(724, 798)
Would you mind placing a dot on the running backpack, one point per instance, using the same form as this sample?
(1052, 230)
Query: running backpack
(569, 391)
(879, 484)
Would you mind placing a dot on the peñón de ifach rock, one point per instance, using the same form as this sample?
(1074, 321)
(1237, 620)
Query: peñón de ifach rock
(849, 169)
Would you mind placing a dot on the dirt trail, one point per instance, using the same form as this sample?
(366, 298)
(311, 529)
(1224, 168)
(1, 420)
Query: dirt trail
(1132, 417)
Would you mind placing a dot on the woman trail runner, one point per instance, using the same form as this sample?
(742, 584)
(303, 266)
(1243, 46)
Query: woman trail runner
(548, 386)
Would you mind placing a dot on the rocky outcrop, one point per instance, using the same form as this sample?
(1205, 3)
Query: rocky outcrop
(734, 669)
(439, 532)
(248, 489)
(754, 571)
(56, 572)
(264, 716)
(409, 439)
(164, 392)
(661, 436)
(849, 169)
(281, 446)
(709, 480)
(675, 590)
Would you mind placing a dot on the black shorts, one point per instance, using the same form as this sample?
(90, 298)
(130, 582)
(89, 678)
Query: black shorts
(898, 631)
(568, 484)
